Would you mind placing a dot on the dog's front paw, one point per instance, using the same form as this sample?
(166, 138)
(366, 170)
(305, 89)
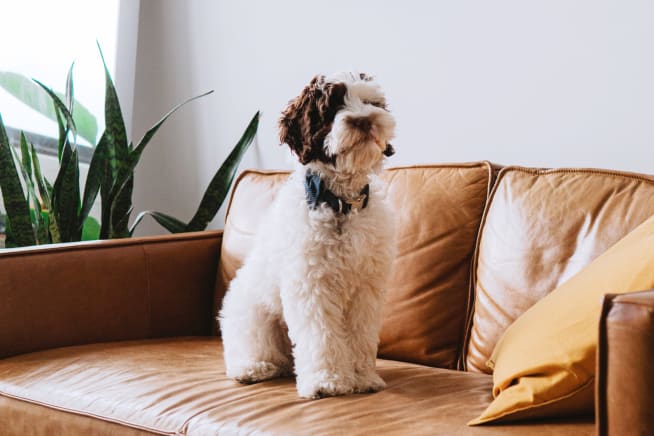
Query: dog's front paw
(256, 372)
(324, 385)
(369, 382)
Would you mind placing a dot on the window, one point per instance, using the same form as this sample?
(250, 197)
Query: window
(41, 39)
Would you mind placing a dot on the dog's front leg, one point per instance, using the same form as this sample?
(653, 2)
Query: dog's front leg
(364, 322)
(255, 344)
(316, 327)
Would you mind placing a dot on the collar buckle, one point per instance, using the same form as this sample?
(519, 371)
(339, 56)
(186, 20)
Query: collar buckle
(358, 202)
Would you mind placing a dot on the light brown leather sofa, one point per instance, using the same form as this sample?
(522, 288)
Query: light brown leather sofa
(118, 337)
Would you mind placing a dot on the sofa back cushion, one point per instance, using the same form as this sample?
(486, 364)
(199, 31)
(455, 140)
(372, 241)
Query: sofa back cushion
(438, 210)
(540, 228)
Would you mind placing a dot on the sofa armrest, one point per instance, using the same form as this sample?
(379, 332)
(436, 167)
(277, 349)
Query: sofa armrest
(625, 365)
(80, 293)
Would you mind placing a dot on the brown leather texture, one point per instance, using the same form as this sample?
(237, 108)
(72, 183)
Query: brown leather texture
(539, 229)
(178, 386)
(625, 373)
(438, 210)
(82, 293)
(21, 418)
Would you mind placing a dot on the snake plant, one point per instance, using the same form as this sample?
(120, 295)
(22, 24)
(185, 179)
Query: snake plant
(40, 212)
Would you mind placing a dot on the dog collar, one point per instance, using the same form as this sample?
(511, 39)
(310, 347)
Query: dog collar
(317, 193)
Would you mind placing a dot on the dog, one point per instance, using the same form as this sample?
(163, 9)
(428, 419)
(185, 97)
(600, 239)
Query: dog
(309, 296)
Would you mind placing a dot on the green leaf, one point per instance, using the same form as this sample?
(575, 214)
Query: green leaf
(172, 224)
(99, 175)
(10, 242)
(219, 186)
(49, 225)
(53, 228)
(33, 96)
(61, 107)
(38, 226)
(70, 123)
(26, 157)
(65, 196)
(126, 171)
(91, 229)
(27, 92)
(121, 210)
(48, 186)
(118, 156)
(114, 123)
(40, 181)
(16, 205)
(63, 133)
(69, 89)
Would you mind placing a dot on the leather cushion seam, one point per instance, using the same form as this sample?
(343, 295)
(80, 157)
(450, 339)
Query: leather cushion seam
(87, 414)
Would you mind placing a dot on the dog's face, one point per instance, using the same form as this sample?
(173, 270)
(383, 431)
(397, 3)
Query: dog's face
(341, 121)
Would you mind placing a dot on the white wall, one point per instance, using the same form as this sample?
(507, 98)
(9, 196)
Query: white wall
(538, 83)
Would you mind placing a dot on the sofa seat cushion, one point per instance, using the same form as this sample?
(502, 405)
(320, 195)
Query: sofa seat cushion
(178, 386)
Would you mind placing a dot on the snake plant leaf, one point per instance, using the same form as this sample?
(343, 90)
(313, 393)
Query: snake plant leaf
(25, 165)
(50, 226)
(31, 94)
(63, 133)
(115, 203)
(10, 242)
(121, 210)
(98, 176)
(65, 196)
(222, 180)
(61, 107)
(48, 186)
(53, 228)
(38, 225)
(172, 224)
(120, 227)
(16, 205)
(135, 155)
(70, 89)
(26, 157)
(114, 124)
(40, 181)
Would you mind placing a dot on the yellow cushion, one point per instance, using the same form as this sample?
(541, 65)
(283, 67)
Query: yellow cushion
(544, 364)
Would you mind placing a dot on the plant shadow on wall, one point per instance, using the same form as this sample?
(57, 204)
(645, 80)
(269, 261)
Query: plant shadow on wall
(59, 212)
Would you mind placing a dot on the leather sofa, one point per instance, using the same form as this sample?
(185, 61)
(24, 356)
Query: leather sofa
(119, 337)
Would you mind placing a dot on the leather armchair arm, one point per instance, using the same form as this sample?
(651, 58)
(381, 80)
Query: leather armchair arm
(625, 360)
(80, 293)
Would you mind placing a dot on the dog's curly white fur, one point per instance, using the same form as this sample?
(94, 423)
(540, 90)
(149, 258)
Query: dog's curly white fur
(309, 295)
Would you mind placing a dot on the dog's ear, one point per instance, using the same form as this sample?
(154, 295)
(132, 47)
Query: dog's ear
(308, 118)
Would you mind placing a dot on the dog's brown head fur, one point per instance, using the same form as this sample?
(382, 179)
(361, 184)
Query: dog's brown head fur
(308, 119)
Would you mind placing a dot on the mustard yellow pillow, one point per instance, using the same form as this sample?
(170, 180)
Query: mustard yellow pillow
(544, 364)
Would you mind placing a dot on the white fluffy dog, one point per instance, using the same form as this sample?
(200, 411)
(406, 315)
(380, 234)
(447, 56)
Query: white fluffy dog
(321, 259)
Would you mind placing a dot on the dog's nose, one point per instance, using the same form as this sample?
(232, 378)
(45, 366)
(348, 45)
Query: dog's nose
(361, 123)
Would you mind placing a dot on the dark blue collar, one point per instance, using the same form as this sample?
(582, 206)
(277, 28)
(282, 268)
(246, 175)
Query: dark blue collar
(317, 193)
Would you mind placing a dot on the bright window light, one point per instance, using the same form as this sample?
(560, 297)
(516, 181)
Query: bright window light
(41, 38)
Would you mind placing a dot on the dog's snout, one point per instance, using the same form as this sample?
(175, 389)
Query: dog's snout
(361, 123)
(389, 151)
